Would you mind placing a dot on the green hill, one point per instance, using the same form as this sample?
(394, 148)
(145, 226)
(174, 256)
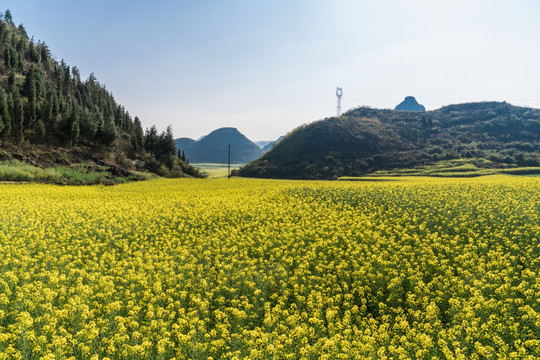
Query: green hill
(366, 140)
(214, 147)
(50, 117)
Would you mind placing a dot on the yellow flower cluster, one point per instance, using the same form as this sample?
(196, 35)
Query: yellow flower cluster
(261, 269)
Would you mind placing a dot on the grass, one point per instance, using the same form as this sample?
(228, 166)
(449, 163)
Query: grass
(88, 173)
(215, 170)
(75, 174)
(17, 171)
(451, 168)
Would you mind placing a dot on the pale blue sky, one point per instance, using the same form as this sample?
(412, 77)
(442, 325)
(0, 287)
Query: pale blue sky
(267, 66)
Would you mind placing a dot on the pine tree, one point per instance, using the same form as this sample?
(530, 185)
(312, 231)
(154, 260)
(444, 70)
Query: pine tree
(33, 54)
(10, 57)
(76, 74)
(11, 81)
(165, 151)
(86, 124)
(8, 18)
(181, 155)
(45, 54)
(151, 140)
(98, 122)
(110, 134)
(48, 108)
(161, 146)
(22, 31)
(139, 135)
(6, 117)
(2, 104)
(32, 103)
(18, 119)
(169, 146)
(74, 122)
(3, 30)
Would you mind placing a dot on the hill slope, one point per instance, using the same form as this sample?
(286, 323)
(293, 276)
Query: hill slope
(213, 148)
(50, 117)
(365, 140)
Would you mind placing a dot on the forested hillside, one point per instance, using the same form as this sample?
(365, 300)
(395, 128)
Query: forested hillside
(49, 116)
(366, 140)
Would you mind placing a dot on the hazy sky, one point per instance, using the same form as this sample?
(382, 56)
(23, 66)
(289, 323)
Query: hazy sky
(267, 66)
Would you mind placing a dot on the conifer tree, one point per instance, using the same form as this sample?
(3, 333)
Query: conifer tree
(139, 135)
(22, 31)
(18, 119)
(2, 105)
(151, 140)
(45, 54)
(32, 102)
(8, 18)
(6, 111)
(86, 123)
(169, 146)
(11, 81)
(110, 134)
(10, 57)
(76, 74)
(74, 124)
(98, 122)
(48, 109)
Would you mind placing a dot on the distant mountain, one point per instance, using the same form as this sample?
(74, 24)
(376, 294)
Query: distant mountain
(184, 143)
(365, 140)
(263, 143)
(410, 104)
(268, 146)
(213, 148)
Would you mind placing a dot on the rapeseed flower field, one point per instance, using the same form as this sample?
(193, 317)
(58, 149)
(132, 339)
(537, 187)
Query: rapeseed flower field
(261, 269)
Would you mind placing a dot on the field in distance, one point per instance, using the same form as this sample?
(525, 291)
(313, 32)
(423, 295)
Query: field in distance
(215, 170)
(269, 269)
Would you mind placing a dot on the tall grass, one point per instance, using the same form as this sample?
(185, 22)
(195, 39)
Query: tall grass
(77, 174)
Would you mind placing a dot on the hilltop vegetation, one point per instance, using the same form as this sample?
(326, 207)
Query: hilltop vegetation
(50, 117)
(365, 140)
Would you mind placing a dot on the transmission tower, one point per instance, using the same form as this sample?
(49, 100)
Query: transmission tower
(339, 94)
